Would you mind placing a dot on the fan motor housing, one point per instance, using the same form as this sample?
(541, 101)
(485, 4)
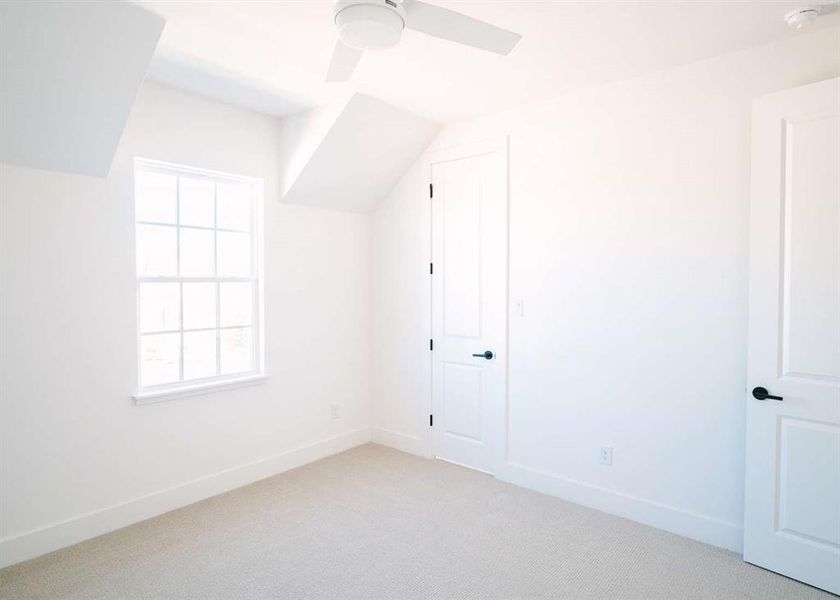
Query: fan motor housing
(369, 24)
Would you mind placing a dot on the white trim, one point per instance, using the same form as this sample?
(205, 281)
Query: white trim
(169, 168)
(34, 543)
(464, 465)
(258, 262)
(412, 444)
(198, 227)
(218, 381)
(195, 329)
(466, 150)
(195, 389)
(702, 528)
(169, 279)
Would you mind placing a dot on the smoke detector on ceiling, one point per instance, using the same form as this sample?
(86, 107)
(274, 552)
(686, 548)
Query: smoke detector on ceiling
(802, 17)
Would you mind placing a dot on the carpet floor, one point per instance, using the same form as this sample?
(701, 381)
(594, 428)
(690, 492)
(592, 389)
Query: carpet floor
(376, 523)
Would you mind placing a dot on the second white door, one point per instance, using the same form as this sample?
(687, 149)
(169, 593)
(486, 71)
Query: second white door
(792, 511)
(469, 303)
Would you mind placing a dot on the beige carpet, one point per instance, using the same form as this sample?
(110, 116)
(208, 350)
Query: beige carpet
(377, 523)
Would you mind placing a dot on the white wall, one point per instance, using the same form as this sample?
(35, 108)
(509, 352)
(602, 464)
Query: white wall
(74, 445)
(628, 244)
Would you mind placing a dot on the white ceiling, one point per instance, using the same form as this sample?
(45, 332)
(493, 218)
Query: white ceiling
(357, 158)
(70, 75)
(272, 55)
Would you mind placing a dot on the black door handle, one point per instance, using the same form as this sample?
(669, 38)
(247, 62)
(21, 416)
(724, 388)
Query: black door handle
(761, 393)
(486, 354)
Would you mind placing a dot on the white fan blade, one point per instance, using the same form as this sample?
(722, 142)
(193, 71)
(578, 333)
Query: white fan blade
(450, 25)
(343, 63)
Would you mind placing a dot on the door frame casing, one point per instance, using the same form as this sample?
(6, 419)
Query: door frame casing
(498, 146)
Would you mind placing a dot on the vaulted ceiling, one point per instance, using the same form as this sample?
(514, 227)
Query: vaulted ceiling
(70, 75)
(71, 72)
(349, 156)
(272, 55)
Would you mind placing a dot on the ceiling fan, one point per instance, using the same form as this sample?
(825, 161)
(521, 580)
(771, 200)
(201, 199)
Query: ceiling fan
(378, 24)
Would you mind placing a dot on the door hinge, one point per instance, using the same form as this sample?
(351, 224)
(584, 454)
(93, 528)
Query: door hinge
(431, 345)
(431, 420)
(431, 190)
(431, 268)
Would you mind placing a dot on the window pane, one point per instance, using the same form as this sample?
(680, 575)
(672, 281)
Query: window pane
(159, 306)
(199, 305)
(154, 197)
(236, 303)
(234, 206)
(236, 350)
(159, 357)
(234, 254)
(197, 252)
(156, 251)
(197, 197)
(199, 354)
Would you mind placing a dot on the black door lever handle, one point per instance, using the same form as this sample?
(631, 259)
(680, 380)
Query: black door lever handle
(487, 354)
(761, 393)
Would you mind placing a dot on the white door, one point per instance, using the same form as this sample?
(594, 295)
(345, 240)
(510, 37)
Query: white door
(469, 302)
(792, 504)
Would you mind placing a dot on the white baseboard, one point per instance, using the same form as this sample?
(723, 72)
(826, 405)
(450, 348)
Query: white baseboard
(77, 529)
(413, 444)
(687, 524)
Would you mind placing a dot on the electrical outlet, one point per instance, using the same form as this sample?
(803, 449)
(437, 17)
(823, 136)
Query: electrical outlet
(605, 455)
(334, 411)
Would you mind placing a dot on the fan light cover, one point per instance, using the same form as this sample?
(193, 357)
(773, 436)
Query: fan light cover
(378, 24)
(369, 27)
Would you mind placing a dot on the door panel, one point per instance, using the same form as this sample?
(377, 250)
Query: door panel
(462, 400)
(811, 277)
(792, 491)
(809, 481)
(469, 303)
(460, 195)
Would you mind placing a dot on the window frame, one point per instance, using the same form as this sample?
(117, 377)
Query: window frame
(180, 388)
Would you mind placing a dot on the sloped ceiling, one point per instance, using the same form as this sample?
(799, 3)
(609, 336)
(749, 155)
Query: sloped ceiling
(69, 75)
(286, 45)
(193, 75)
(351, 157)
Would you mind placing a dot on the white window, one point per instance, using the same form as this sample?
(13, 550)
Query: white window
(199, 288)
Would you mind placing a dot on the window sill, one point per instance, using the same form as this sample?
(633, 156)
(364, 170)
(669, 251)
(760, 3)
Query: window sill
(171, 393)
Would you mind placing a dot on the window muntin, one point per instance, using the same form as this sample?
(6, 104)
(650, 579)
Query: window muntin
(198, 239)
